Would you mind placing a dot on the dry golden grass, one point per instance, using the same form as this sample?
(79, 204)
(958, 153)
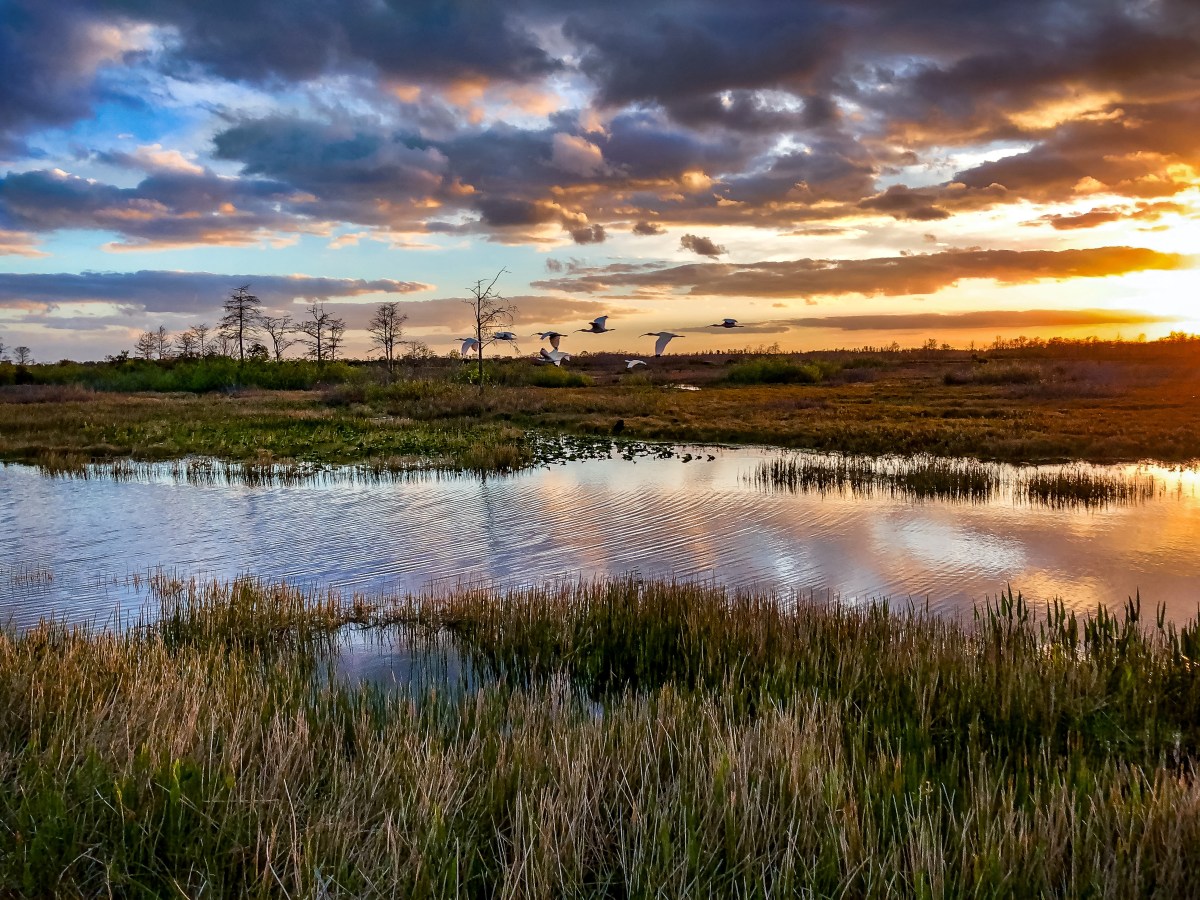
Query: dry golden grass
(631, 740)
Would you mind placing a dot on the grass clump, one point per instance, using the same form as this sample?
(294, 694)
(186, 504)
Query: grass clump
(918, 477)
(633, 739)
(1081, 486)
(997, 373)
(779, 370)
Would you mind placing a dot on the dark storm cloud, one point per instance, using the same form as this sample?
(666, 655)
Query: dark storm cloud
(49, 56)
(298, 40)
(792, 112)
(901, 203)
(701, 245)
(362, 162)
(645, 145)
(191, 293)
(700, 49)
(896, 275)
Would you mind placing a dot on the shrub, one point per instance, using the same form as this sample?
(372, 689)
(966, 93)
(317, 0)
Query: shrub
(1010, 373)
(777, 370)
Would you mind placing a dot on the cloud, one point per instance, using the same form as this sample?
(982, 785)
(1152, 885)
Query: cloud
(589, 234)
(165, 209)
(701, 245)
(648, 228)
(1102, 215)
(17, 243)
(50, 57)
(446, 317)
(576, 155)
(889, 276)
(184, 293)
(281, 40)
(992, 318)
(442, 116)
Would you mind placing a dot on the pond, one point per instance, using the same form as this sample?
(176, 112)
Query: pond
(83, 548)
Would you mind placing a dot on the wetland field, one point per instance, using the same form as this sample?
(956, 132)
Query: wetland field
(915, 623)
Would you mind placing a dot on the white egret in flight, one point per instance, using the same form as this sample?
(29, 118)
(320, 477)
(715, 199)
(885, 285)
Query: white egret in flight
(664, 338)
(597, 326)
(552, 336)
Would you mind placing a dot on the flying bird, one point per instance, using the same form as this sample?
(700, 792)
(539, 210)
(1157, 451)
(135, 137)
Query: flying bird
(552, 336)
(554, 356)
(504, 336)
(664, 338)
(633, 363)
(726, 323)
(468, 345)
(597, 326)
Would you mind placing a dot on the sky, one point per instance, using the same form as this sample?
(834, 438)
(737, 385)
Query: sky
(831, 173)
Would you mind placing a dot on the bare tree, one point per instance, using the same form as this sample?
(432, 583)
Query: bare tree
(278, 328)
(240, 322)
(146, 344)
(162, 345)
(23, 356)
(201, 332)
(221, 345)
(386, 329)
(316, 332)
(337, 328)
(490, 311)
(3, 356)
(187, 345)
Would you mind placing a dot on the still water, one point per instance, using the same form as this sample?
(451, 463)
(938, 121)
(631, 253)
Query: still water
(79, 549)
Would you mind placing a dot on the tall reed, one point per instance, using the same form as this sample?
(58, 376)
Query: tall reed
(635, 739)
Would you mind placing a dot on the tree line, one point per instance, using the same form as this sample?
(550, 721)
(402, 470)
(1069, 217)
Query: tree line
(246, 332)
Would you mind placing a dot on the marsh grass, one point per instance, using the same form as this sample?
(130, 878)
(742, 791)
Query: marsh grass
(927, 477)
(25, 576)
(917, 477)
(633, 739)
(1083, 486)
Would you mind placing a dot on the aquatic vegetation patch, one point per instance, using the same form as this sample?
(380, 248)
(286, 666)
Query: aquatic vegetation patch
(918, 477)
(923, 476)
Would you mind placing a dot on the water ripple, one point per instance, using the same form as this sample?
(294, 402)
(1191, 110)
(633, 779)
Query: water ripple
(73, 548)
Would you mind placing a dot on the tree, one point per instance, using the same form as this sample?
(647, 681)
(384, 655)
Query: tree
(162, 342)
(146, 344)
(221, 345)
(323, 333)
(22, 356)
(187, 345)
(490, 311)
(3, 357)
(337, 328)
(278, 328)
(201, 332)
(386, 329)
(241, 319)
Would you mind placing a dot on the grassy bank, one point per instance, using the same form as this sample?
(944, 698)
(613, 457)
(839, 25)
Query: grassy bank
(941, 404)
(622, 739)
